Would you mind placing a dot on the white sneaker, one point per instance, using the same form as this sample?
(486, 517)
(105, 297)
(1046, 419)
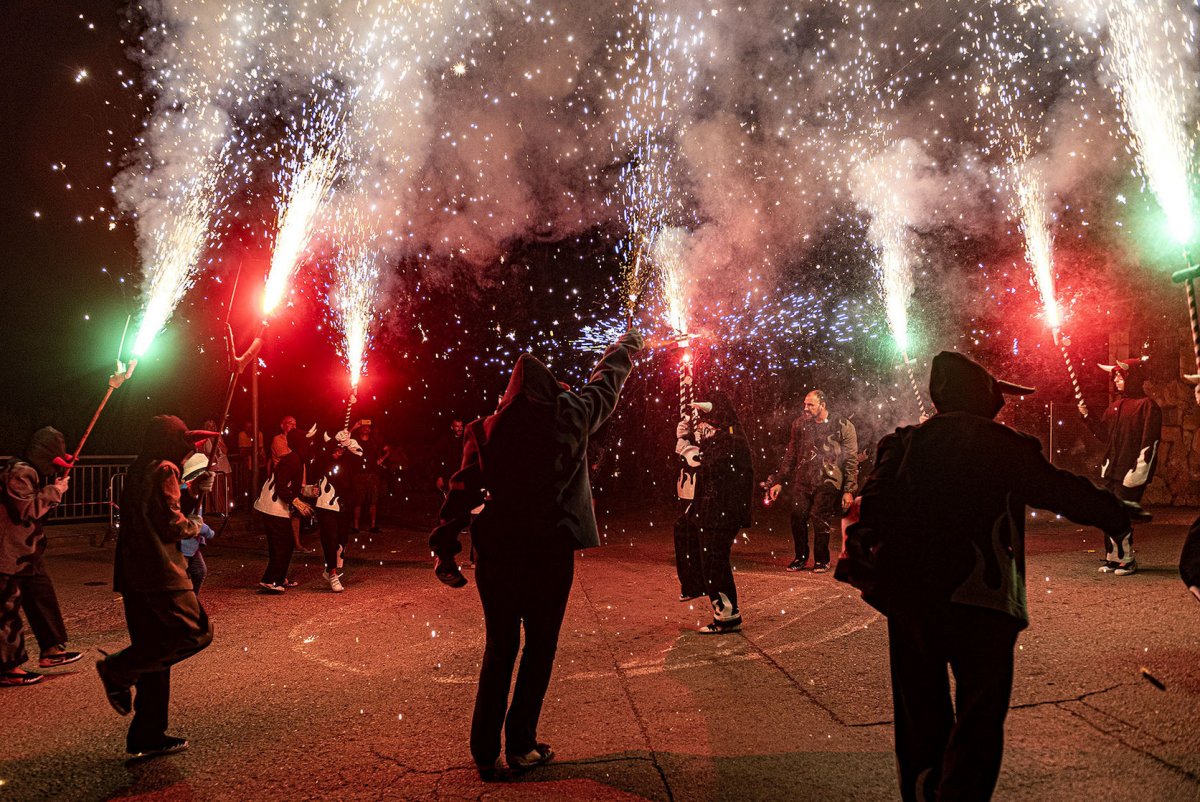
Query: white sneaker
(335, 581)
(1125, 569)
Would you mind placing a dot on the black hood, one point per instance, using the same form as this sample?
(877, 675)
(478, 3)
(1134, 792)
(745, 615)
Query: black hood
(1135, 379)
(723, 415)
(957, 384)
(166, 439)
(46, 445)
(533, 380)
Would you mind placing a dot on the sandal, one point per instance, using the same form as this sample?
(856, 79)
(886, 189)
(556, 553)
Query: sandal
(60, 659)
(15, 678)
(540, 755)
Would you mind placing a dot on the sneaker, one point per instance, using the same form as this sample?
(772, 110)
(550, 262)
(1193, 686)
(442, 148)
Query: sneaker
(271, 587)
(60, 659)
(290, 583)
(721, 629)
(1125, 569)
(120, 698)
(686, 597)
(796, 565)
(169, 745)
(335, 581)
(1108, 568)
(820, 568)
(540, 755)
(493, 772)
(14, 678)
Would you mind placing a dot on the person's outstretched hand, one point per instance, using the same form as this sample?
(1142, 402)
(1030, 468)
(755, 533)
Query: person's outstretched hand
(632, 340)
(448, 573)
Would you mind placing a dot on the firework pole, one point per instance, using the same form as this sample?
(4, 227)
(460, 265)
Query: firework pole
(350, 406)
(1187, 277)
(912, 379)
(1062, 341)
(118, 378)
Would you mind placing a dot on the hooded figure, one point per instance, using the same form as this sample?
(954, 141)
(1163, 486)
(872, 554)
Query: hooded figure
(166, 622)
(1130, 429)
(30, 488)
(723, 501)
(531, 456)
(332, 510)
(280, 502)
(940, 550)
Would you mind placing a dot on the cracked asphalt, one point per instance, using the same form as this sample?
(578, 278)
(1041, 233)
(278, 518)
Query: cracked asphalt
(368, 694)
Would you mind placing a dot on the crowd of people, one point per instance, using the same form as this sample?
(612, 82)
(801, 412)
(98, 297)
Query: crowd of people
(933, 538)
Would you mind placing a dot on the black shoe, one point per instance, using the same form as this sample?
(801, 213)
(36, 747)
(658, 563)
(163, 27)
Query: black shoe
(60, 659)
(169, 745)
(354, 530)
(493, 773)
(540, 755)
(375, 530)
(120, 698)
(684, 597)
(820, 568)
(14, 678)
(796, 565)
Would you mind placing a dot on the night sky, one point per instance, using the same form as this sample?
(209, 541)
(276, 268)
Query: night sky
(450, 320)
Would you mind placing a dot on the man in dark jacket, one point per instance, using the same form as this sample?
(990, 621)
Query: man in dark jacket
(820, 467)
(1131, 428)
(722, 504)
(31, 488)
(165, 619)
(940, 550)
(531, 456)
(1189, 557)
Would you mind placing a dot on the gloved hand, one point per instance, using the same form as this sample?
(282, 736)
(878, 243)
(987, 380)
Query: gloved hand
(1136, 512)
(632, 340)
(448, 572)
(683, 429)
(202, 483)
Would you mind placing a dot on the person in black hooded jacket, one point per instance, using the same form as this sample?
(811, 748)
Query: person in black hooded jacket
(1130, 429)
(165, 619)
(30, 489)
(531, 456)
(723, 502)
(939, 548)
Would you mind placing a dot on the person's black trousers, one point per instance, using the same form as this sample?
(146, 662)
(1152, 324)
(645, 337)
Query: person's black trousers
(40, 604)
(197, 570)
(687, 557)
(953, 749)
(12, 631)
(164, 628)
(335, 534)
(716, 547)
(516, 589)
(823, 506)
(280, 545)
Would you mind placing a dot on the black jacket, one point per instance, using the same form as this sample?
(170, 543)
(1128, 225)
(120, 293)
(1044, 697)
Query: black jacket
(724, 483)
(820, 453)
(943, 514)
(531, 456)
(1131, 428)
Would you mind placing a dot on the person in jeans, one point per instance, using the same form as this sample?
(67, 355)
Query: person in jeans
(280, 502)
(30, 489)
(166, 622)
(531, 455)
(820, 467)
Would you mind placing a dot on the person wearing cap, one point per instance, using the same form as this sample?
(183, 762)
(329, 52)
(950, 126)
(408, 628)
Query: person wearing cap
(722, 502)
(1130, 429)
(531, 455)
(939, 548)
(166, 622)
(820, 468)
(30, 488)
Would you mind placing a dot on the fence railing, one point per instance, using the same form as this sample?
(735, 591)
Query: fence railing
(90, 494)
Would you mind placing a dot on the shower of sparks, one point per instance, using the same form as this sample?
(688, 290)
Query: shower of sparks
(352, 303)
(172, 251)
(1039, 243)
(656, 68)
(1150, 53)
(669, 256)
(306, 183)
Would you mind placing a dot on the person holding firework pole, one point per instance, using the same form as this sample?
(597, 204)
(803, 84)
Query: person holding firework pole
(280, 503)
(531, 456)
(820, 467)
(31, 488)
(939, 549)
(1130, 429)
(723, 500)
(333, 509)
(166, 622)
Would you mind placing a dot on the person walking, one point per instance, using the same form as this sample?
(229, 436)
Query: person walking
(333, 512)
(939, 548)
(32, 487)
(531, 455)
(280, 503)
(820, 468)
(166, 622)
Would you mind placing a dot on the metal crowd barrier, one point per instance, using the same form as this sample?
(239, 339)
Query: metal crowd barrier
(90, 496)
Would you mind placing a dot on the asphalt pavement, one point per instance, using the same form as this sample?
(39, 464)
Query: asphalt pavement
(367, 694)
